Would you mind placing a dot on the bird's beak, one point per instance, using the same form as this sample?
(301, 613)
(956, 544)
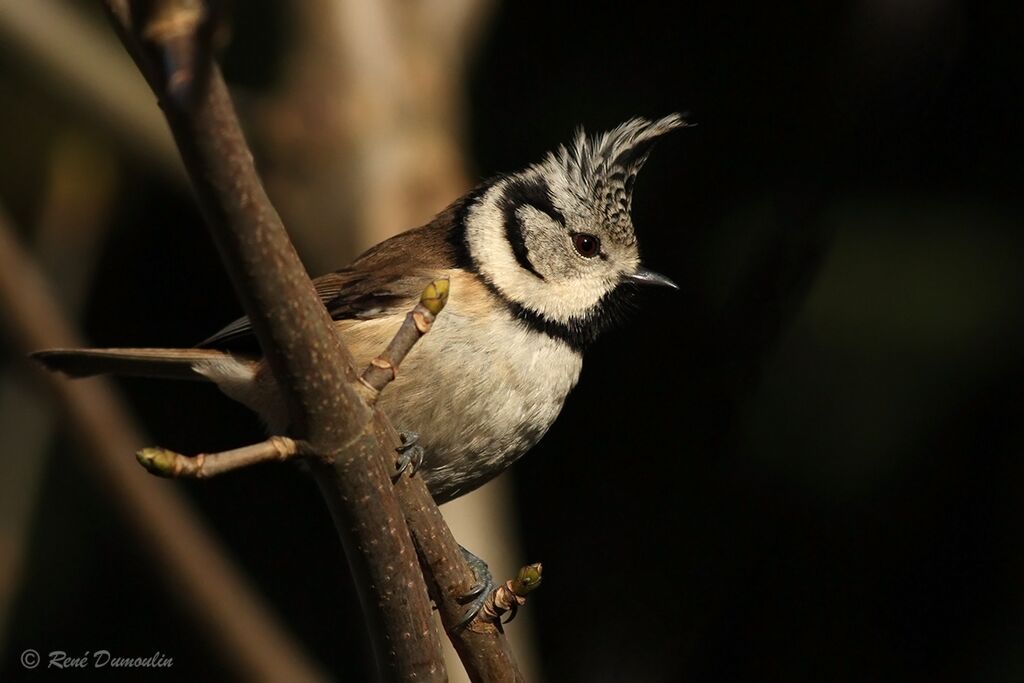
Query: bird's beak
(642, 276)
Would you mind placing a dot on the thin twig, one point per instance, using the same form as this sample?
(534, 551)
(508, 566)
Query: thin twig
(235, 620)
(166, 463)
(308, 360)
(384, 368)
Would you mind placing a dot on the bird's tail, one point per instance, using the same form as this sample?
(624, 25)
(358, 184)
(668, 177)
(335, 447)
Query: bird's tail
(190, 364)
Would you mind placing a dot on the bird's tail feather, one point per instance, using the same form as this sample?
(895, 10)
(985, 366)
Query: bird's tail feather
(158, 363)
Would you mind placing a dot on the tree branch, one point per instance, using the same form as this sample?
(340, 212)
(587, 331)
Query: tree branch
(307, 358)
(314, 369)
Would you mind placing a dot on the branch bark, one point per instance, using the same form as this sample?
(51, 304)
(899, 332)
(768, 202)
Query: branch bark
(306, 356)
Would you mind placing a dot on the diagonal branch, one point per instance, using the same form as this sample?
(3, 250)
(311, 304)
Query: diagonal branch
(236, 621)
(315, 371)
(307, 358)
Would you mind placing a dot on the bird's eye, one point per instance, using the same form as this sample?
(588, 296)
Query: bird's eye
(588, 246)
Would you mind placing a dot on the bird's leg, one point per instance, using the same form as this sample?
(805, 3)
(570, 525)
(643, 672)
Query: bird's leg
(410, 454)
(481, 590)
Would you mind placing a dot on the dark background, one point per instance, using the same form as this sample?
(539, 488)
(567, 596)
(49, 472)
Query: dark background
(805, 466)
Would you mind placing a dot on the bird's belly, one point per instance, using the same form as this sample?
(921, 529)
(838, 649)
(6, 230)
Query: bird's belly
(479, 398)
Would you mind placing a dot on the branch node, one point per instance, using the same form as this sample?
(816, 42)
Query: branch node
(385, 364)
(421, 322)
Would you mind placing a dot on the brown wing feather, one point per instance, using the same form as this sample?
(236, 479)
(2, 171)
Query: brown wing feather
(389, 276)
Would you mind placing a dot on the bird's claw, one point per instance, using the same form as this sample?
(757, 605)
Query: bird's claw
(477, 596)
(410, 455)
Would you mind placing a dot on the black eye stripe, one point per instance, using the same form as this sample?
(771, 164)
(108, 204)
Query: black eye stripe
(534, 193)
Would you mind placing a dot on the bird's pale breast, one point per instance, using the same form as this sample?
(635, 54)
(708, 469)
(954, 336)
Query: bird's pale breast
(480, 389)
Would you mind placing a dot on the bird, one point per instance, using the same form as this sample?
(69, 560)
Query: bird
(540, 262)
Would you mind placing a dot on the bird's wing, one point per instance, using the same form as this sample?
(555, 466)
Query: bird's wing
(389, 277)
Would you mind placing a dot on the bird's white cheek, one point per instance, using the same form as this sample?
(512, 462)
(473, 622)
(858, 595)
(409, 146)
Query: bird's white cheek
(557, 300)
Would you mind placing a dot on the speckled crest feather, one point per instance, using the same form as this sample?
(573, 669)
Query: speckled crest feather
(603, 168)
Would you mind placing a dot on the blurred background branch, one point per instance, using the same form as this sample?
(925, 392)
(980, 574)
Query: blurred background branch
(82, 66)
(72, 222)
(236, 622)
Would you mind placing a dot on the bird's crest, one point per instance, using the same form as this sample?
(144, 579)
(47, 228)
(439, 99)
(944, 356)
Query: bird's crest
(602, 169)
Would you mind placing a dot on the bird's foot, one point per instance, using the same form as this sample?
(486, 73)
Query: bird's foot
(477, 596)
(410, 455)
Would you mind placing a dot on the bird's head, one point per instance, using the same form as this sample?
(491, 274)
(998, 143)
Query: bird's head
(556, 240)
